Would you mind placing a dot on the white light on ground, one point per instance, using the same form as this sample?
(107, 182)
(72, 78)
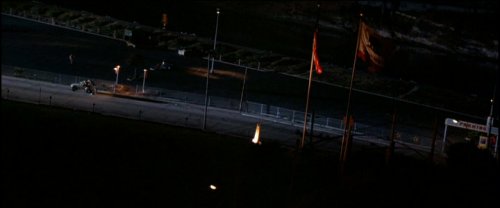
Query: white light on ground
(213, 187)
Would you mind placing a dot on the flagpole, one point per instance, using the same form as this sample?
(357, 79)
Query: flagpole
(307, 105)
(304, 130)
(347, 129)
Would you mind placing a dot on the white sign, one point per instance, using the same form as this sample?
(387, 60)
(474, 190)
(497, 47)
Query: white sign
(470, 126)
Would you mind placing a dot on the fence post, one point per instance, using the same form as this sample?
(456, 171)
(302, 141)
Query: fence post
(312, 128)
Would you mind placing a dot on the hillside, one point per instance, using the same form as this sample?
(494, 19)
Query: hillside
(151, 164)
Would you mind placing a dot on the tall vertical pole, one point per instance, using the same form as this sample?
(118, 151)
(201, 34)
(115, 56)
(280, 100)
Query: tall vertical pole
(307, 106)
(243, 88)
(489, 122)
(144, 80)
(443, 145)
(215, 39)
(304, 130)
(345, 138)
(206, 95)
(216, 28)
(495, 152)
(210, 70)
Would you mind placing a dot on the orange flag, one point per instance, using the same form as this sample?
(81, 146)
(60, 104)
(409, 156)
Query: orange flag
(319, 69)
(374, 48)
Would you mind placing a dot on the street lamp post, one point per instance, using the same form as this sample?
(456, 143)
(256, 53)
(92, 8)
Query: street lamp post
(489, 123)
(215, 39)
(210, 70)
(206, 95)
(144, 80)
(117, 71)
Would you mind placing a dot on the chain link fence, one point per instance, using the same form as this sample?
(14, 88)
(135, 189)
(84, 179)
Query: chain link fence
(323, 125)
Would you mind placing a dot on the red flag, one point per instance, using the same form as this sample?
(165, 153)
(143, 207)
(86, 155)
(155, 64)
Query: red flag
(319, 69)
(373, 47)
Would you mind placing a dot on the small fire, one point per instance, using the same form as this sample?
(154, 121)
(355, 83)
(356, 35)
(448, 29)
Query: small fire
(256, 138)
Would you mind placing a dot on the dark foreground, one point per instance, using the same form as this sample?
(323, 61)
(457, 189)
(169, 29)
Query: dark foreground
(57, 157)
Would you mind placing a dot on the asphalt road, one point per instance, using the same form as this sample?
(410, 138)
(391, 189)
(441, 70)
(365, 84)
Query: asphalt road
(167, 112)
(221, 121)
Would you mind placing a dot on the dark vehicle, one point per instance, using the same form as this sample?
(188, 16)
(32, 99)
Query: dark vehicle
(87, 85)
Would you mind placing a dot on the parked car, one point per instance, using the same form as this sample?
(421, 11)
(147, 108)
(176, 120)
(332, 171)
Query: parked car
(87, 85)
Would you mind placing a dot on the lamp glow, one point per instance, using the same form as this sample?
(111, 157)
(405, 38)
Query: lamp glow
(213, 187)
